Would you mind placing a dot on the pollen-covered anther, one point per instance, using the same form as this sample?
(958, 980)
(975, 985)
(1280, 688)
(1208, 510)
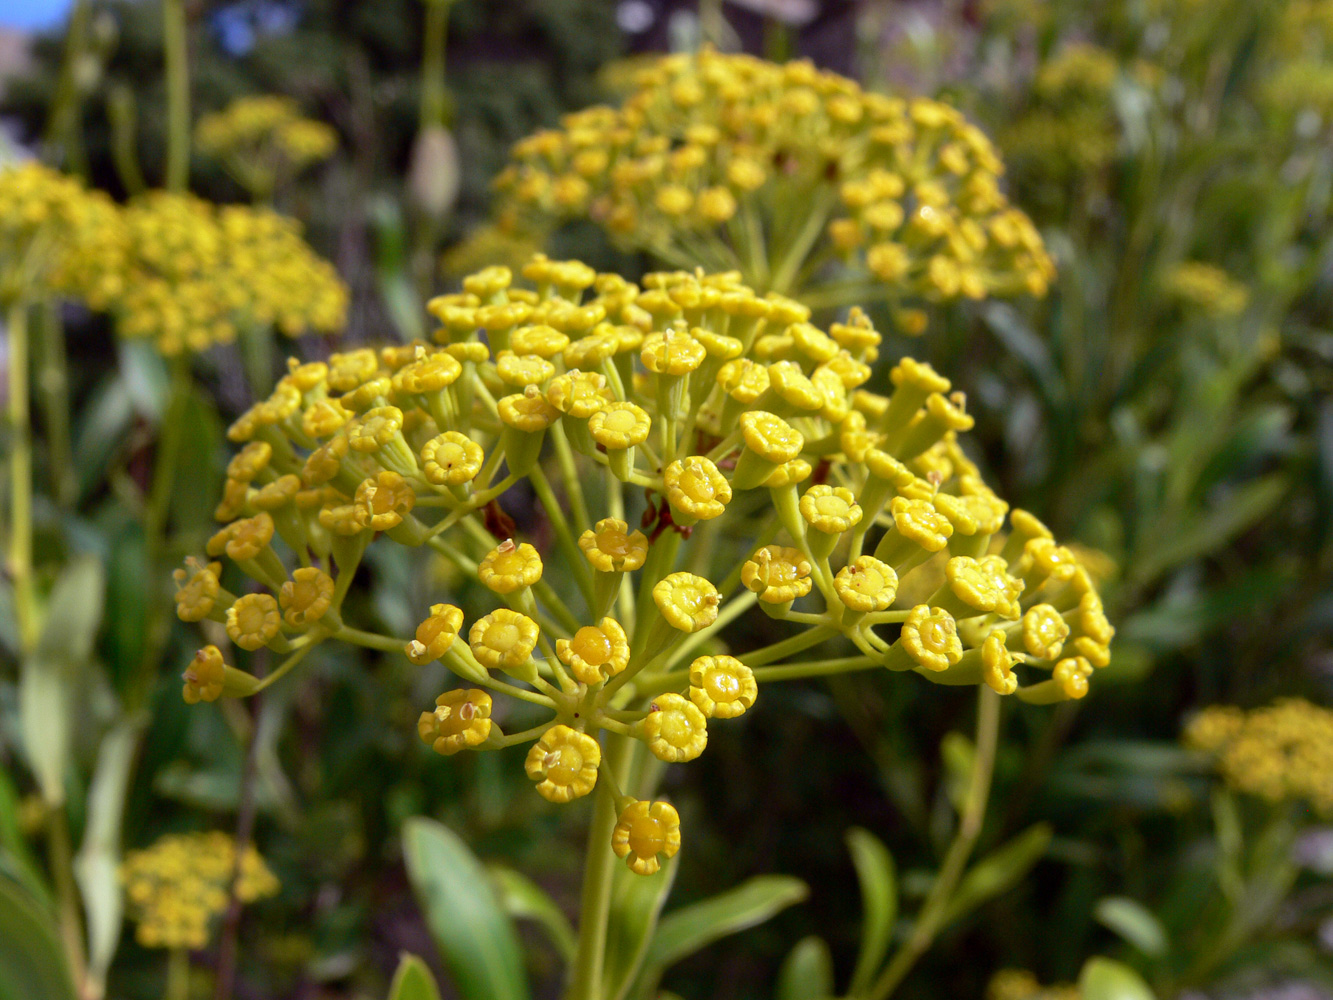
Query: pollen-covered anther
(436, 634)
(645, 833)
(930, 637)
(596, 652)
(687, 602)
(564, 763)
(204, 676)
(722, 686)
(778, 574)
(612, 548)
(462, 719)
(675, 729)
(503, 639)
(509, 567)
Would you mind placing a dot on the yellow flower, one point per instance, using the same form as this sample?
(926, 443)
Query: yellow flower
(920, 522)
(451, 459)
(620, 425)
(253, 621)
(375, 429)
(197, 589)
(383, 502)
(462, 719)
(674, 352)
(770, 437)
(436, 634)
(1072, 675)
(249, 537)
(1044, 631)
(830, 509)
(523, 370)
(564, 764)
(645, 831)
(528, 411)
(250, 461)
(696, 490)
(686, 601)
(509, 567)
(930, 637)
(675, 729)
(778, 574)
(866, 584)
(306, 596)
(204, 676)
(971, 584)
(578, 394)
(997, 664)
(596, 652)
(722, 686)
(612, 548)
(503, 639)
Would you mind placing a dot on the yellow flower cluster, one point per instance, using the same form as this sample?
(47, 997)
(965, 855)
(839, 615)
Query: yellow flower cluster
(44, 215)
(779, 171)
(1020, 984)
(1282, 751)
(264, 140)
(1207, 289)
(177, 886)
(189, 274)
(773, 477)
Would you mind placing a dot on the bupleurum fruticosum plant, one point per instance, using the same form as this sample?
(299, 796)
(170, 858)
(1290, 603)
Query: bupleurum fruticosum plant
(794, 176)
(770, 476)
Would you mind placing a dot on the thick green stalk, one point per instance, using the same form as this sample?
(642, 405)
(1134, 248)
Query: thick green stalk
(178, 974)
(62, 127)
(175, 56)
(20, 480)
(599, 868)
(53, 384)
(930, 920)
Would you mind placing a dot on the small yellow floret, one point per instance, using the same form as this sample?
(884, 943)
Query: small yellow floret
(564, 764)
(696, 488)
(830, 509)
(306, 596)
(612, 548)
(867, 584)
(596, 652)
(462, 719)
(930, 637)
(509, 567)
(645, 831)
(722, 686)
(503, 638)
(675, 729)
(197, 589)
(620, 425)
(436, 634)
(253, 621)
(451, 459)
(686, 601)
(997, 664)
(204, 676)
(778, 574)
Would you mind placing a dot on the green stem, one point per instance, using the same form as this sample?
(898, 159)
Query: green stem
(814, 668)
(434, 102)
(178, 974)
(930, 920)
(174, 46)
(599, 869)
(20, 480)
(62, 127)
(53, 384)
(62, 870)
(779, 650)
(370, 640)
(560, 525)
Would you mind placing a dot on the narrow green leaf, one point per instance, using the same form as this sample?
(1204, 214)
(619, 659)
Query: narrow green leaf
(685, 931)
(127, 605)
(879, 903)
(807, 973)
(32, 963)
(998, 871)
(97, 865)
(1134, 922)
(636, 905)
(523, 899)
(474, 936)
(15, 855)
(73, 612)
(101, 425)
(1103, 979)
(413, 980)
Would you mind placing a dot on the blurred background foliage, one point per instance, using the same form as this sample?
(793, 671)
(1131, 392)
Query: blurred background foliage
(1169, 406)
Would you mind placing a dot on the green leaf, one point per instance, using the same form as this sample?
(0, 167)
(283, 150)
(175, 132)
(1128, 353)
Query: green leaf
(102, 424)
(523, 899)
(199, 470)
(636, 904)
(49, 677)
(127, 605)
(807, 973)
(32, 963)
(473, 934)
(998, 871)
(1103, 979)
(97, 865)
(14, 851)
(879, 903)
(1134, 922)
(413, 981)
(957, 755)
(685, 931)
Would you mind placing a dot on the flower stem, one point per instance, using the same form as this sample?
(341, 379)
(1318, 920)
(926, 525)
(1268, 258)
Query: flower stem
(930, 920)
(174, 46)
(178, 974)
(20, 479)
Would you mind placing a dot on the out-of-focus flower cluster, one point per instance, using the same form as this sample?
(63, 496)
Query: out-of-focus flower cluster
(1302, 80)
(176, 887)
(1020, 984)
(43, 214)
(773, 475)
(188, 274)
(264, 140)
(1280, 752)
(778, 170)
(1207, 289)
